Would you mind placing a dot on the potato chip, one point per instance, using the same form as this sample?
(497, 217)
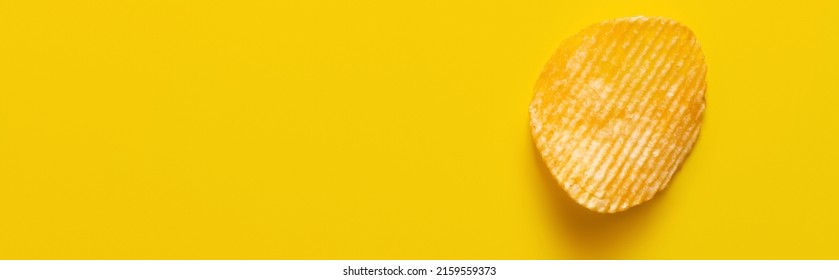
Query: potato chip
(618, 108)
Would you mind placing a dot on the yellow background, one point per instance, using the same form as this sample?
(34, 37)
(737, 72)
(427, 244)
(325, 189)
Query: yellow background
(388, 130)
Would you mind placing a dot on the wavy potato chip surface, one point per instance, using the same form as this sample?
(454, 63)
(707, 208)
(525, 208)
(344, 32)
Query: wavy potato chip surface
(618, 108)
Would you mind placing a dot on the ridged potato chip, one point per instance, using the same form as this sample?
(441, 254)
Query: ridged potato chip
(618, 108)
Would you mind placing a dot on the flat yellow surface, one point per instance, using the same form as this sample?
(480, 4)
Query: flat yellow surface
(388, 130)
